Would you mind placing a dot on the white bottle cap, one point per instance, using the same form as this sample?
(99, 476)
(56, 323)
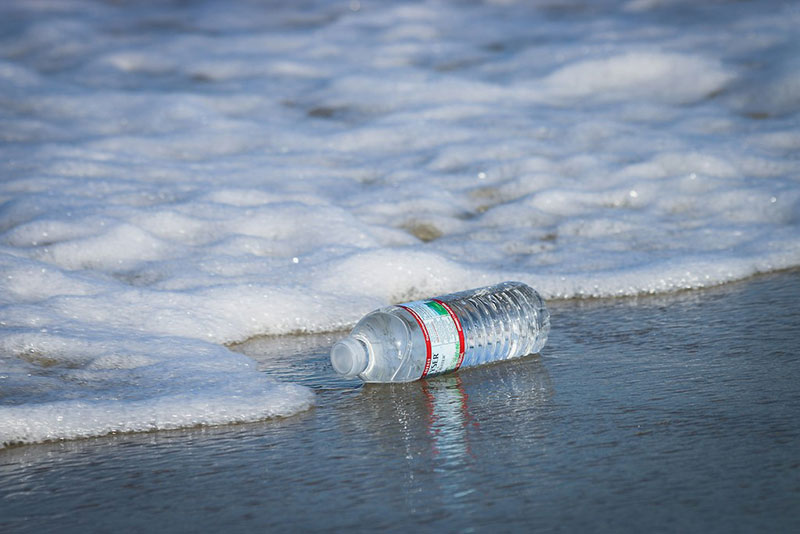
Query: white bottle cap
(349, 357)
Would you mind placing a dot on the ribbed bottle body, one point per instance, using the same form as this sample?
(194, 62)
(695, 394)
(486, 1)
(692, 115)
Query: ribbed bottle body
(422, 338)
(500, 322)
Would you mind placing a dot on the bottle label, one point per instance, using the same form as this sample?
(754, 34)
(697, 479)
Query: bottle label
(444, 337)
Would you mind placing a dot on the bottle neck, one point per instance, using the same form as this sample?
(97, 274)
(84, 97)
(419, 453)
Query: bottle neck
(349, 357)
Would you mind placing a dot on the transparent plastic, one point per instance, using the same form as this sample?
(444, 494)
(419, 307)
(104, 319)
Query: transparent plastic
(392, 344)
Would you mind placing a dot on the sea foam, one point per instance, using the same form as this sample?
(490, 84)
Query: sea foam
(176, 178)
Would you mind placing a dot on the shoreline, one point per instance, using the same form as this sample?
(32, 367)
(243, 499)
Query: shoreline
(684, 406)
(275, 343)
(235, 345)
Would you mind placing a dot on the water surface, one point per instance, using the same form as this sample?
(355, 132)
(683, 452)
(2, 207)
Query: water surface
(674, 413)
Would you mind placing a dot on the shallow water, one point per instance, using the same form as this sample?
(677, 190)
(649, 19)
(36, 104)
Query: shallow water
(675, 413)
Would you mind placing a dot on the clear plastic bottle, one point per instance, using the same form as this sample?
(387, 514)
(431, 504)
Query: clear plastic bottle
(426, 337)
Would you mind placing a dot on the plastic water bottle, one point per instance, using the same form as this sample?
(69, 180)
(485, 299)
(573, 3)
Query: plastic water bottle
(411, 341)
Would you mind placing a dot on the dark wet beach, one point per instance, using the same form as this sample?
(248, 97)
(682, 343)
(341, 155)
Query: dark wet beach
(668, 413)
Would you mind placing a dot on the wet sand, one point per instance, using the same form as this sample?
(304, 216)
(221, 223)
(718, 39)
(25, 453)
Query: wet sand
(668, 413)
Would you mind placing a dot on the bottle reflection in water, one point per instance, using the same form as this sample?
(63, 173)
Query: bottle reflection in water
(448, 418)
(443, 432)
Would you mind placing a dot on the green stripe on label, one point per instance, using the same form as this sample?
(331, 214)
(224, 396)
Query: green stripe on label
(438, 308)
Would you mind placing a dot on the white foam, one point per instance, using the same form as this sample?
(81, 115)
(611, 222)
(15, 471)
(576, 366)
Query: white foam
(175, 178)
(676, 78)
(104, 381)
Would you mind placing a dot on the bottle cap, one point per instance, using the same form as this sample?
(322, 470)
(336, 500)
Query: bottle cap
(349, 357)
